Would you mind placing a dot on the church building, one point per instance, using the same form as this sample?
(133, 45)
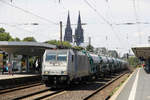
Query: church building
(68, 31)
(79, 36)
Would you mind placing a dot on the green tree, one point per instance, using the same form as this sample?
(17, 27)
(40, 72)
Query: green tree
(17, 39)
(29, 39)
(2, 30)
(90, 48)
(64, 44)
(53, 42)
(78, 48)
(4, 36)
(11, 39)
(133, 61)
(14, 39)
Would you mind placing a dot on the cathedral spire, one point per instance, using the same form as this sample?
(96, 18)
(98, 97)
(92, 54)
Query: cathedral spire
(79, 20)
(68, 30)
(79, 32)
(68, 20)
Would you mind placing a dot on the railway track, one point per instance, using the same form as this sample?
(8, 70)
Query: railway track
(14, 86)
(19, 88)
(39, 95)
(104, 86)
(40, 92)
(44, 93)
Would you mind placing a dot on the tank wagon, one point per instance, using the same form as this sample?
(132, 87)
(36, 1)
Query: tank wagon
(64, 66)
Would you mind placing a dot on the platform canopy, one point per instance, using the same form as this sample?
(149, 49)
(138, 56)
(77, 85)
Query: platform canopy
(25, 48)
(142, 52)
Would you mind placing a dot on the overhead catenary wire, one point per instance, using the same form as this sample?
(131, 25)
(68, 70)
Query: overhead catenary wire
(19, 28)
(63, 6)
(99, 14)
(135, 11)
(93, 3)
(28, 32)
(28, 12)
(112, 19)
(109, 8)
(103, 18)
(137, 20)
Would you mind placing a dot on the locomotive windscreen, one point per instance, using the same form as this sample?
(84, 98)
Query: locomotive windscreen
(51, 57)
(57, 56)
(61, 57)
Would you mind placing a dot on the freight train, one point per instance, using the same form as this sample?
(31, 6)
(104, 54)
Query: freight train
(65, 66)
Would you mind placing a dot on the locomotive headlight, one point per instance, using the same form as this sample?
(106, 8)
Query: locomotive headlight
(63, 72)
(46, 72)
(63, 78)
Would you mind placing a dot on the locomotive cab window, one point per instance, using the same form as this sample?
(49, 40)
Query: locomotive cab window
(50, 57)
(61, 57)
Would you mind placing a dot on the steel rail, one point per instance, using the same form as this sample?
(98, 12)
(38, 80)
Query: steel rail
(37, 93)
(18, 88)
(51, 94)
(101, 88)
(31, 94)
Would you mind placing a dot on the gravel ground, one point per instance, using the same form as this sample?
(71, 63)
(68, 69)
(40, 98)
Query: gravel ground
(75, 93)
(18, 93)
(81, 91)
(102, 95)
(38, 95)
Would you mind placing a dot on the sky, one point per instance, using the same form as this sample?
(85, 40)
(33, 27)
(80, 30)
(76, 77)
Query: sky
(104, 20)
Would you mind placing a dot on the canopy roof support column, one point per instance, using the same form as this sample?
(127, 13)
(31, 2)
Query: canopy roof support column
(27, 63)
(10, 58)
(147, 65)
(41, 60)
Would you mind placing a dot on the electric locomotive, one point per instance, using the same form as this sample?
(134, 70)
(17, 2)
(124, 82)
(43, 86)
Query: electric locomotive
(64, 66)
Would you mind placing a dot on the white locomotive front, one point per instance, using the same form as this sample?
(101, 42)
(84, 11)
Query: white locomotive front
(60, 67)
(55, 67)
(55, 63)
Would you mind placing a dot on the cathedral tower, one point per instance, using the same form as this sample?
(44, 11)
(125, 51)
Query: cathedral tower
(79, 38)
(68, 30)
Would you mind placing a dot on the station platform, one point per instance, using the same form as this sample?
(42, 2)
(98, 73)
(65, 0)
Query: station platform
(7, 81)
(6, 76)
(137, 87)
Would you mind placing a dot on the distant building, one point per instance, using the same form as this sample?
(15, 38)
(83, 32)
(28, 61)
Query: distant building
(68, 30)
(113, 53)
(148, 39)
(127, 55)
(101, 51)
(79, 37)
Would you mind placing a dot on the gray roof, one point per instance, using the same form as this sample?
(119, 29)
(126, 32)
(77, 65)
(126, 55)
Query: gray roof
(25, 48)
(142, 52)
(35, 44)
